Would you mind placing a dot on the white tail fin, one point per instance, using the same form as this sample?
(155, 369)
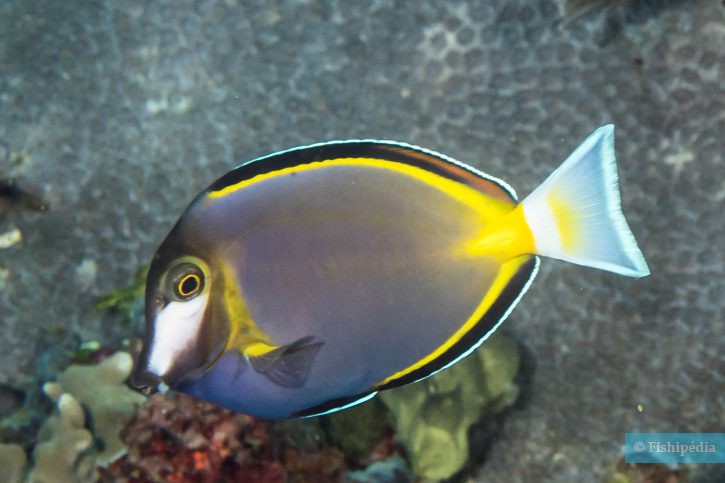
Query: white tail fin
(576, 215)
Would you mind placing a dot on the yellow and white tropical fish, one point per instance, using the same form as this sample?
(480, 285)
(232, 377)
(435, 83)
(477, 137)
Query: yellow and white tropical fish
(308, 280)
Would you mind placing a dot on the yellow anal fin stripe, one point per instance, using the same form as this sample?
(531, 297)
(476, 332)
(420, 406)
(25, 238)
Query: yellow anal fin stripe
(506, 272)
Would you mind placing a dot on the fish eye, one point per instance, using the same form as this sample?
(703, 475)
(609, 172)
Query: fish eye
(186, 281)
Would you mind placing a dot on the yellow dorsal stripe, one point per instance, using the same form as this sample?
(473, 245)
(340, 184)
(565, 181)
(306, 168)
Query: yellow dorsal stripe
(481, 202)
(507, 271)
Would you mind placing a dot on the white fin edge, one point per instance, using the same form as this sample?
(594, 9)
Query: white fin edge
(576, 215)
(366, 397)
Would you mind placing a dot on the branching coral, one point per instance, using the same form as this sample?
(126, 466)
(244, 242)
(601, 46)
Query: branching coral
(100, 431)
(63, 453)
(12, 462)
(92, 406)
(111, 404)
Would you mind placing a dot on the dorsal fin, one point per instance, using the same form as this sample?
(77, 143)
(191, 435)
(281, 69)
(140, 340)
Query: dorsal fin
(394, 151)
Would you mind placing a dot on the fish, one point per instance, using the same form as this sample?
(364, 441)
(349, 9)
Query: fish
(306, 281)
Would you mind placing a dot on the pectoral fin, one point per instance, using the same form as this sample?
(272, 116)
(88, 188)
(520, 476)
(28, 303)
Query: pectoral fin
(288, 365)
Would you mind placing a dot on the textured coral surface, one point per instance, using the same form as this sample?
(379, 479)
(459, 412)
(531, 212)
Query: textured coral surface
(119, 112)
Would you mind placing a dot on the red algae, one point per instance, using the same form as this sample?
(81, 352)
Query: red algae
(177, 438)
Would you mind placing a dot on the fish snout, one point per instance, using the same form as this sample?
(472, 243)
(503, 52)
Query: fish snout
(145, 382)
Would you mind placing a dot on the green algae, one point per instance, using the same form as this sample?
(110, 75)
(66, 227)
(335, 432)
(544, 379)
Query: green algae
(358, 430)
(432, 417)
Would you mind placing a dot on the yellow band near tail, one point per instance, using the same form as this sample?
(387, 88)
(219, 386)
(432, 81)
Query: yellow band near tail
(505, 237)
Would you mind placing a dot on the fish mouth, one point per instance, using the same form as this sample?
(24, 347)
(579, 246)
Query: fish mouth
(146, 382)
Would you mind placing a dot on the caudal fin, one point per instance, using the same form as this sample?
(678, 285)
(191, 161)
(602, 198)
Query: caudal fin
(576, 215)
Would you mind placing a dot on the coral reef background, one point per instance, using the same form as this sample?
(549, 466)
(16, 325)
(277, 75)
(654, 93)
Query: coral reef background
(113, 115)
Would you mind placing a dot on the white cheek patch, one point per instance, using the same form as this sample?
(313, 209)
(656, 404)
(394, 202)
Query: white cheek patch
(176, 326)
